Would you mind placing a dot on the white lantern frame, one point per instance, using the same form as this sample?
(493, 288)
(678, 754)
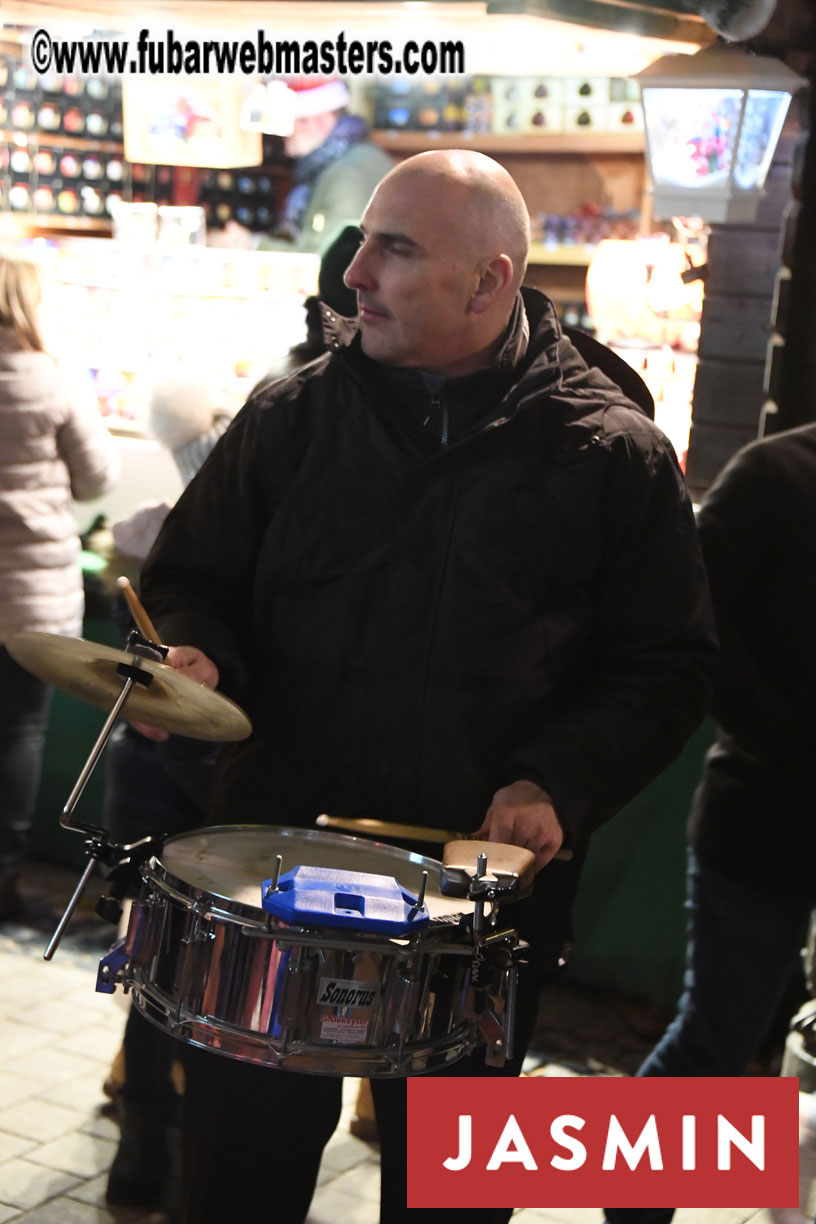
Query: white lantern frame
(713, 120)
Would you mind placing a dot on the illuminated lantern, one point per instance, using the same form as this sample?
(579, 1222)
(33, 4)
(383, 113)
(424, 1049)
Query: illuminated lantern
(713, 120)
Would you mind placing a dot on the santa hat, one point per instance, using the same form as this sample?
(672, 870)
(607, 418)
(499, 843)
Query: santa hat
(317, 95)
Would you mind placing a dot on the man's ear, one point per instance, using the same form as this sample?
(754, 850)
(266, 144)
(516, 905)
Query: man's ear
(495, 275)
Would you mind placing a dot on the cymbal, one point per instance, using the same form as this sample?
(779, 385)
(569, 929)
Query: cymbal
(87, 670)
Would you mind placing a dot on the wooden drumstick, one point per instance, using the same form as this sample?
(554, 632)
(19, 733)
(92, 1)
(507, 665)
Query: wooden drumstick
(143, 622)
(384, 828)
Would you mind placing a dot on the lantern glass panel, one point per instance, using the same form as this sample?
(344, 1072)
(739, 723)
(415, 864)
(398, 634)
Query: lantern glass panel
(691, 134)
(765, 113)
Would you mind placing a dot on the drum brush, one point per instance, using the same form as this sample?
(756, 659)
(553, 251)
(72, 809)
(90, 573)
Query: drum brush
(402, 832)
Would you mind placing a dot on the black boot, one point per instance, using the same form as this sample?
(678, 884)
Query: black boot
(146, 1168)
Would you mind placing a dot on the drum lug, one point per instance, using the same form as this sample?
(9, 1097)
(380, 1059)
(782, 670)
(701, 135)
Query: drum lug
(494, 978)
(199, 930)
(496, 1023)
(199, 927)
(495, 1037)
(293, 1000)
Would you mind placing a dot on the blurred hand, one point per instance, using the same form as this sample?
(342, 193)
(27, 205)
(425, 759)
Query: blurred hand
(522, 814)
(191, 662)
(232, 237)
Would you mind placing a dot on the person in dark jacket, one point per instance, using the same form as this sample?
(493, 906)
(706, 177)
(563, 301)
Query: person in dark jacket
(751, 879)
(452, 574)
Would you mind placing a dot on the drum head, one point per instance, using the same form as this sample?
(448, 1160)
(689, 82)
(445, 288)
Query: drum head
(230, 861)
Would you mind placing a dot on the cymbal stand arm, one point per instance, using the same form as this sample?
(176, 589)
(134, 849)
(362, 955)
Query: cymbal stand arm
(98, 836)
(54, 941)
(88, 767)
(97, 844)
(131, 674)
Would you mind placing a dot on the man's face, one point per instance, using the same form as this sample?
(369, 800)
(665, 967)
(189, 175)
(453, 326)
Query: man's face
(309, 134)
(413, 277)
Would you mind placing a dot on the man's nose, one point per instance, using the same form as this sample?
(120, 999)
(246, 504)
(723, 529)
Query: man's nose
(357, 274)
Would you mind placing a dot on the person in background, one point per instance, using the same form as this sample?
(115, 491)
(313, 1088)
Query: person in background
(452, 574)
(333, 298)
(336, 168)
(752, 859)
(54, 448)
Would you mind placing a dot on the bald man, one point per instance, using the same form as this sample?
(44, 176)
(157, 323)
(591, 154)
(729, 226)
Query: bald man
(452, 574)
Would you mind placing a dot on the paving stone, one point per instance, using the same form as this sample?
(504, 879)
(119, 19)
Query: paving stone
(343, 1151)
(18, 1039)
(82, 1092)
(100, 1008)
(12, 1145)
(722, 1215)
(101, 1126)
(91, 1191)
(40, 1120)
(330, 1206)
(79, 1154)
(563, 1215)
(25, 1184)
(363, 1181)
(72, 1211)
(61, 1019)
(47, 1066)
(537, 1215)
(94, 1042)
(15, 1088)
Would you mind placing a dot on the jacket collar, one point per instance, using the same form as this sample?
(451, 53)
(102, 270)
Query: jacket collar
(474, 402)
(340, 332)
(536, 361)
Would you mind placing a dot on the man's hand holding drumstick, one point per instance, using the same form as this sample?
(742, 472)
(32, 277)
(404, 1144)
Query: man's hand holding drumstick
(188, 660)
(522, 814)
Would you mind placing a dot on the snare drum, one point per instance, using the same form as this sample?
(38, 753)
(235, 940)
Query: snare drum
(209, 965)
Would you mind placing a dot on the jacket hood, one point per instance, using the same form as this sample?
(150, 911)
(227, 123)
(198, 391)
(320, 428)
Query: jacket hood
(587, 367)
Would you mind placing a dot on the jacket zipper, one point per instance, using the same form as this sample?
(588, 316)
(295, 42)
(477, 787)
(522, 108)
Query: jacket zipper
(437, 404)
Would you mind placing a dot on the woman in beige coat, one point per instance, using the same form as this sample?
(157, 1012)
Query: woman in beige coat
(53, 448)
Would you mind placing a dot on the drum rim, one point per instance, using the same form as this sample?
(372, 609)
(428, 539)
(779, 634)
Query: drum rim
(157, 870)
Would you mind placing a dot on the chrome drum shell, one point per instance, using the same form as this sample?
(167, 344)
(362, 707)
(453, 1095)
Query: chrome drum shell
(211, 967)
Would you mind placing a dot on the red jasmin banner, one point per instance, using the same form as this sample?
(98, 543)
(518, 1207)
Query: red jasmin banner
(611, 1142)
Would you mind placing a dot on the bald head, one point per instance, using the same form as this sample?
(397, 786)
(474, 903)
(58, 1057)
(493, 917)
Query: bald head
(478, 201)
(445, 251)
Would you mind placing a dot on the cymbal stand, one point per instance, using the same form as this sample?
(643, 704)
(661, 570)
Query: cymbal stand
(98, 845)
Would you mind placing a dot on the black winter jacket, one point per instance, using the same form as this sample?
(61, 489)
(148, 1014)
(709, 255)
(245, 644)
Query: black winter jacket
(753, 815)
(422, 590)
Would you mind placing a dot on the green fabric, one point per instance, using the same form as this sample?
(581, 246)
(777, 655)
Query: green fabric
(339, 199)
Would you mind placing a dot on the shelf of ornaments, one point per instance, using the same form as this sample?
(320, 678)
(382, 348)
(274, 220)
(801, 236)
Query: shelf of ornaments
(588, 143)
(66, 223)
(564, 255)
(86, 144)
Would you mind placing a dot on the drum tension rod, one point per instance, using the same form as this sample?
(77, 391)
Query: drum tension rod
(419, 904)
(272, 886)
